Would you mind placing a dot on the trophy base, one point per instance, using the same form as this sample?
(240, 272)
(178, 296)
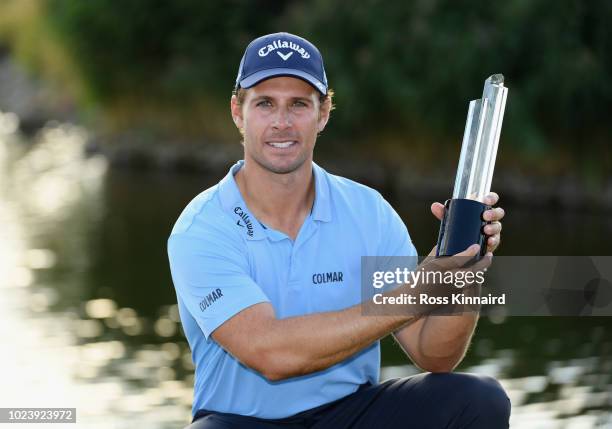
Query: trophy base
(461, 227)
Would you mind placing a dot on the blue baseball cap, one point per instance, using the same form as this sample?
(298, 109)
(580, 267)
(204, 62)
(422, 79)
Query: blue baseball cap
(281, 54)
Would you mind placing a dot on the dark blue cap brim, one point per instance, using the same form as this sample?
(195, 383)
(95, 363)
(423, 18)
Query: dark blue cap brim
(259, 76)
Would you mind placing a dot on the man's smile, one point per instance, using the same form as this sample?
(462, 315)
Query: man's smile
(282, 144)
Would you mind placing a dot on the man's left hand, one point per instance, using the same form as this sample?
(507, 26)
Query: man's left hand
(494, 215)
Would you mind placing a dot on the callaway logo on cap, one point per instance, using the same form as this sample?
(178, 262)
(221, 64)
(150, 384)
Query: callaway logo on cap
(281, 54)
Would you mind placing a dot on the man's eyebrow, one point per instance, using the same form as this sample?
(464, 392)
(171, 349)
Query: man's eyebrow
(261, 97)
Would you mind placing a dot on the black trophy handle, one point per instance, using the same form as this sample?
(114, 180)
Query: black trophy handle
(462, 226)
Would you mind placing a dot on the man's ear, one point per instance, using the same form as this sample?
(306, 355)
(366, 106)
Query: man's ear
(236, 110)
(324, 111)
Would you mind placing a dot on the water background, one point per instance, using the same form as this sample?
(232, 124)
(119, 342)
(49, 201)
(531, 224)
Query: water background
(89, 316)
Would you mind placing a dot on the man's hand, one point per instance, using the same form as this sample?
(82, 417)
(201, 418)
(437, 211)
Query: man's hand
(493, 215)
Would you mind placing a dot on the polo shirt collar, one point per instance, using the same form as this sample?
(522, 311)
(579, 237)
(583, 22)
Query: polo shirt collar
(322, 204)
(233, 203)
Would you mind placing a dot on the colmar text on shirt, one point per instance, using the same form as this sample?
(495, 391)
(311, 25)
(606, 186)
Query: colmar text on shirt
(210, 299)
(331, 277)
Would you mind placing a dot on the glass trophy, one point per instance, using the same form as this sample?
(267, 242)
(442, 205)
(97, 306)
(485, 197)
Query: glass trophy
(463, 224)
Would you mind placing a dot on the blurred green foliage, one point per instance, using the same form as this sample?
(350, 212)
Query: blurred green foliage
(177, 50)
(398, 67)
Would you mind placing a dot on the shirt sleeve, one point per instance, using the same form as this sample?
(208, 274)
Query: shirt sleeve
(211, 275)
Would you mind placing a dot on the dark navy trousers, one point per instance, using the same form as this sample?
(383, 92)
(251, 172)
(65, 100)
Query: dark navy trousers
(423, 401)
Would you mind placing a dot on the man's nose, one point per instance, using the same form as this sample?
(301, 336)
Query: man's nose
(282, 119)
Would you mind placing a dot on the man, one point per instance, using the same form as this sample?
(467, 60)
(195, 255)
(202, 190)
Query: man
(266, 265)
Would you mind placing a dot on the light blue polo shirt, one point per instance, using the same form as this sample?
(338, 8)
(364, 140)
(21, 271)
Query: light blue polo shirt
(224, 260)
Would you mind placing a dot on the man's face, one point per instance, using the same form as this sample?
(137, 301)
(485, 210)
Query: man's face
(280, 119)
